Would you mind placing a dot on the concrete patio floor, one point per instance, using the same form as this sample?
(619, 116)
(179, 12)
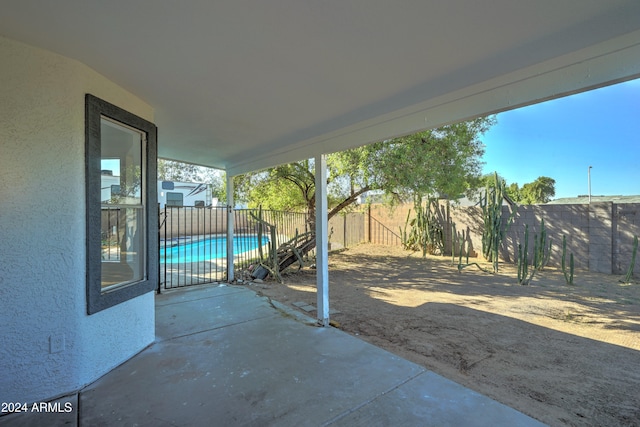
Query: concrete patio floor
(224, 356)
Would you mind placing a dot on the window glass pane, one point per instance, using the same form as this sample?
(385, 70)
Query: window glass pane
(174, 199)
(122, 211)
(121, 164)
(122, 245)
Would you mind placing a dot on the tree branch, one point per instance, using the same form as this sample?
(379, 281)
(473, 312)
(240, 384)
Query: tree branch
(348, 201)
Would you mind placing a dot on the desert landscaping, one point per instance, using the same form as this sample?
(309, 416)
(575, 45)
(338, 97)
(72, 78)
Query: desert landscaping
(567, 355)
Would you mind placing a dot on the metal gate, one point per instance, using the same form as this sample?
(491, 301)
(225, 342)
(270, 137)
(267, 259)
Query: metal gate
(193, 242)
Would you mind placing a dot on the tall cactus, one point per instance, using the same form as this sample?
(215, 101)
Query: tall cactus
(568, 276)
(494, 231)
(524, 277)
(629, 275)
(541, 250)
(271, 262)
(405, 237)
(454, 235)
(462, 240)
(423, 232)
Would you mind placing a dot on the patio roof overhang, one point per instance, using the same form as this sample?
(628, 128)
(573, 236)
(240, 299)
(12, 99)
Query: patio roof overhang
(244, 85)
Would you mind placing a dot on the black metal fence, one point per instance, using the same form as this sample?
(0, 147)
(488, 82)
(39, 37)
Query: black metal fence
(193, 241)
(381, 234)
(111, 233)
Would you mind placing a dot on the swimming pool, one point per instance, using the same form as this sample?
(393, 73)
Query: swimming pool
(208, 249)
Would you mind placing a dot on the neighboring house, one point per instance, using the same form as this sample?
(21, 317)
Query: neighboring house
(584, 200)
(373, 196)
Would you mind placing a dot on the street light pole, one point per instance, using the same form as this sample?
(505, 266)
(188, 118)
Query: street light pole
(589, 178)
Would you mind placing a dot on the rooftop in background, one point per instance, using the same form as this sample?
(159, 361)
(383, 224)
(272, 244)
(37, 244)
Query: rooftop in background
(584, 199)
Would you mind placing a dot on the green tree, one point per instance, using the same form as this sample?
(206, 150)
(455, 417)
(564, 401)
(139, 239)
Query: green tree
(442, 162)
(285, 187)
(542, 190)
(514, 192)
(169, 170)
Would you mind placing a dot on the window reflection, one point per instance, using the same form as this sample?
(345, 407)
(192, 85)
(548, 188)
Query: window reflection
(122, 210)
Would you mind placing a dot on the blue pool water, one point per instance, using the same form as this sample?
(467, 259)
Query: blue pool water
(208, 249)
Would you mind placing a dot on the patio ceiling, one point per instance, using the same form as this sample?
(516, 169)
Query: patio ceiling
(243, 85)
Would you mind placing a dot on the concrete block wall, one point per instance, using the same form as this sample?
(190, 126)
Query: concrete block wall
(571, 221)
(600, 235)
(625, 225)
(469, 224)
(393, 218)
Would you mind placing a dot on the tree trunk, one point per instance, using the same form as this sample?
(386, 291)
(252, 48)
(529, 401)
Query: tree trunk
(308, 245)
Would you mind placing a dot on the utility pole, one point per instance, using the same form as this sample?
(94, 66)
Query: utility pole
(589, 178)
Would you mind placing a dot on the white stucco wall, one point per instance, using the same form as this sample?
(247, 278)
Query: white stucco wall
(42, 232)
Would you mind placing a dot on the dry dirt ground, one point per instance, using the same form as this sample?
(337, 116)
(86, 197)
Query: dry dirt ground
(565, 355)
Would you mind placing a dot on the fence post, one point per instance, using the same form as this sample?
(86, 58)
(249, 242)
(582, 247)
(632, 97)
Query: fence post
(322, 272)
(159, 291)
(369, 224)
(230, 230)
(344, 231)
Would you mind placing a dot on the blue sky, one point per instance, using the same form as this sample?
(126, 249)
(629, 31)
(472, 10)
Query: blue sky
(562, 138)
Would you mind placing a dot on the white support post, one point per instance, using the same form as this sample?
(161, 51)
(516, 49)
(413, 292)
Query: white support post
(322, 235)
(230, 226)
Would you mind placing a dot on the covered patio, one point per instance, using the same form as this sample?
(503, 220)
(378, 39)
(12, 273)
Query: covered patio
(102, 89)
(226, 356)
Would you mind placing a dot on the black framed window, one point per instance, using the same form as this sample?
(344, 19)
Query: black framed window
(122, 219)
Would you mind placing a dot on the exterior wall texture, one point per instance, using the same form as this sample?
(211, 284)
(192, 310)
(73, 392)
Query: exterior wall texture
(50, 346)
